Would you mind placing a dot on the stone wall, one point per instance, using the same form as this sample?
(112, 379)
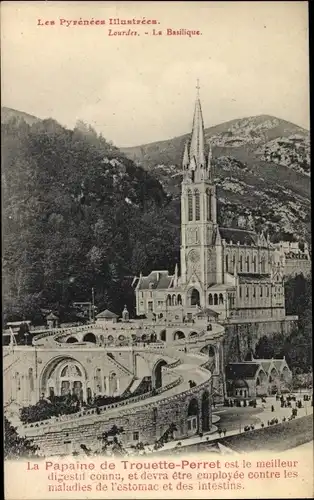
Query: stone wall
(293, 267)
(241, 337)
(146, 423)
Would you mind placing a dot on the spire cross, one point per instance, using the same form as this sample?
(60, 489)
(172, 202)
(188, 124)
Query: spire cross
(198, 87)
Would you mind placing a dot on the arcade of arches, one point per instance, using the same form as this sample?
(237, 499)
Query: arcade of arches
(157, 374)
(212, 354)
(199, 414)
(258, 379)
(69, 377)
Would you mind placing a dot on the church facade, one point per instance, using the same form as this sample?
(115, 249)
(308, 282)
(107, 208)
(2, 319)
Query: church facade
(234, 273)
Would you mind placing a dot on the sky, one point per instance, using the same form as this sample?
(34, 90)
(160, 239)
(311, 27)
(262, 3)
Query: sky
(251, 58)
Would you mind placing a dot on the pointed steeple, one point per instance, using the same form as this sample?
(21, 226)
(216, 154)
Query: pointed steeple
(268, 238)
(186, 157)
(209, 161)
(235, 271)
(210, 155)
(176, 271)
(193, 165)
(218, 237)
(197, 145)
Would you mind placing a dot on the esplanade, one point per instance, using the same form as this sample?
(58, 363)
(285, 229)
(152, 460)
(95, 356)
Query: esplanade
(160, 373)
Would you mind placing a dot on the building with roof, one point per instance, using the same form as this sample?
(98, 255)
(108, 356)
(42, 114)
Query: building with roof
(257, 378)
(52, 320)
(234, 272)
(106, 316)
(295, 258)
(162, 369)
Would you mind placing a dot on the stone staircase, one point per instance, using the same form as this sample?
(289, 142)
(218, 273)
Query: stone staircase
(117, 365)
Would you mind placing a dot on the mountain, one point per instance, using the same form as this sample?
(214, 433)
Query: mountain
(76, 214)
(262, 170)
(8, 114)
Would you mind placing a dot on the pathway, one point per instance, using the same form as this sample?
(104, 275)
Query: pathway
(264, 414)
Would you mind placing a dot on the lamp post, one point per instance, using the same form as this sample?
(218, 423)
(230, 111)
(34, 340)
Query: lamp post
(82, 304)
(93, 306)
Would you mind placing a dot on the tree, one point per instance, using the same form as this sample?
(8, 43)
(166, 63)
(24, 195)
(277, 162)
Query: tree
(15, 446)
(77, 214)
(264, 348)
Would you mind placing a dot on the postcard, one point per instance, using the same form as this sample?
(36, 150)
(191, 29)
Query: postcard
(157, 286)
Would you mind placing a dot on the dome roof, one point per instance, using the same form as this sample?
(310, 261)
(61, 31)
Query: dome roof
(106, 314)
(240, 384)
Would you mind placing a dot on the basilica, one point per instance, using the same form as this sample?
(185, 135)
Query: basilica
(235, 274)
(186, 350)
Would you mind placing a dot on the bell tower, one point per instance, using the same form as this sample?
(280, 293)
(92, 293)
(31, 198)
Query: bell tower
(200, 238)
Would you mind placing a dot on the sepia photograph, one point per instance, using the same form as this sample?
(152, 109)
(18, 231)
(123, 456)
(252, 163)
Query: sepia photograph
(156, 250)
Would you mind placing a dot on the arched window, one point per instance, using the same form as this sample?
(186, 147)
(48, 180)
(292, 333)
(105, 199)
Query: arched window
(179, 300)
(70, 371)
(210, 299)
(247, 291)
(240, 291)
(31, 379)
(247, 260)
(113, 384)
(174, 300)
(221, 298)
(261, 291)
(190, 205)
(197, 205)
(254, 291)
(241, 263)
(215, 299)
(98, 380)
(168, 300)
(233, 263)
(227, 263)
(208, 204)
(267, 291)
(194, 297)
(254, 264)
(263, 265)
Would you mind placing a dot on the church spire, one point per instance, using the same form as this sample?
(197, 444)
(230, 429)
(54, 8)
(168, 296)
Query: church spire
(197, 145)
(186, 158)
(209, 160)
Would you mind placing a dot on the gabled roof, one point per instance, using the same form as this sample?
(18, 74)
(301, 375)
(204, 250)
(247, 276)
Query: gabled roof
(155, 280)
(278, 363)
(51, 316)
(243, 370)
(254, 277)
(239, 235)
(106, 314)
(221, 286)
(266, 364)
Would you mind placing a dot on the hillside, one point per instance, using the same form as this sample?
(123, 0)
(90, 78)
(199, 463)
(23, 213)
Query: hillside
(8, 114)
(262, 169)
(76, 214)
(80, 214)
